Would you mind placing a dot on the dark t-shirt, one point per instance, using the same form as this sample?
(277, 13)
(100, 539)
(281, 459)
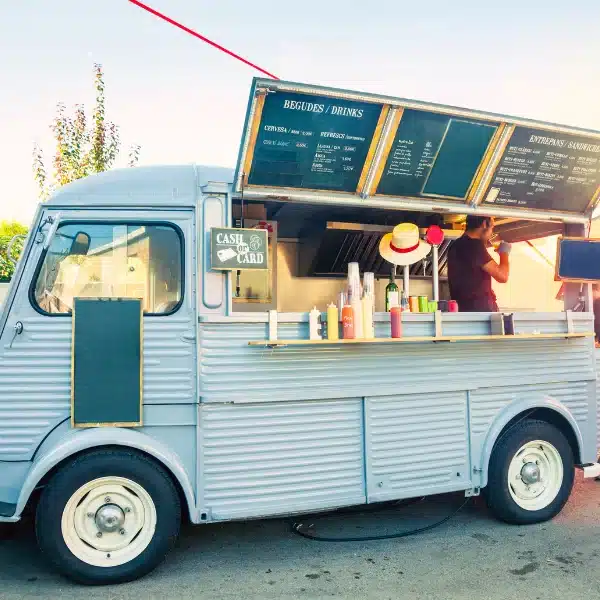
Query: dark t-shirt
(596, 309)
(470, 285)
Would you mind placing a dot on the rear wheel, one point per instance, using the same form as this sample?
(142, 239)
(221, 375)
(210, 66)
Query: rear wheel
(108, 517)
(531, 473)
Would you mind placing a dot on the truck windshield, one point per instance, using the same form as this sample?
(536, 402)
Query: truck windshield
(102, 260)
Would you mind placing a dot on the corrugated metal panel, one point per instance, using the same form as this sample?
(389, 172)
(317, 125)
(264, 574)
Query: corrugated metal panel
(416, 445)
(454, 328)
(487, 403)
(276, 458)
(543, 322)
(232, 371)
(35, 376)
(169, 361)
(35, 384)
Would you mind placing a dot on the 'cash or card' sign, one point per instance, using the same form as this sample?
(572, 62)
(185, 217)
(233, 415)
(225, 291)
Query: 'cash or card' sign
(238, 249)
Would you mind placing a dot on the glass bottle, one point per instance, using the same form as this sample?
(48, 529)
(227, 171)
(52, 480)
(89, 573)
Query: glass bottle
(392, 292)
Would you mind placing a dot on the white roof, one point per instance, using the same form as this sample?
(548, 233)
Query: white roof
(142, 186)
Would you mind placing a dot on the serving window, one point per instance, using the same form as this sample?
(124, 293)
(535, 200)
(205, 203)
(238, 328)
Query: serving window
(310, 247)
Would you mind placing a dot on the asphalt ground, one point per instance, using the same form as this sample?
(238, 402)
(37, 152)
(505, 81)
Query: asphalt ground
(472, 556)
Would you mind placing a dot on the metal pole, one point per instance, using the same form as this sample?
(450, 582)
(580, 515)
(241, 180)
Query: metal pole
(405, 283)
(436, 275)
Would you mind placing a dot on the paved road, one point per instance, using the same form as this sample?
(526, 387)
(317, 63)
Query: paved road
(472, 556)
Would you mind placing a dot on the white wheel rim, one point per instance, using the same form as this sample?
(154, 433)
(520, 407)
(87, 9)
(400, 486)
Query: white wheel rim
(108, 521)
(535, 475)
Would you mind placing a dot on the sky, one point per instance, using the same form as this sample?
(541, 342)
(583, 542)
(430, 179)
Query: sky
(183, 101)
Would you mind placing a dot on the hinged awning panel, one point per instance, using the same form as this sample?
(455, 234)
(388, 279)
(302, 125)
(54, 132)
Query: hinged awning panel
(315, 144)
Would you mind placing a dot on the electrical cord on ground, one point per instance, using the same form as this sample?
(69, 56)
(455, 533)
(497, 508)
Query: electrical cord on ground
(296, 528)
(369, 508)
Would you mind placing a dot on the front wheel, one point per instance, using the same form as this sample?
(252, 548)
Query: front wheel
(531, 473)
(108, 517)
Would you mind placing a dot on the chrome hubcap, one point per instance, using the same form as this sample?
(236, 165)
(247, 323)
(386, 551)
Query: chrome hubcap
(109, 521)
(535, 475)
(109, 518)
(530, 473)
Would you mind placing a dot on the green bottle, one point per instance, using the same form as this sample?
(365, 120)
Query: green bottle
(392, 293)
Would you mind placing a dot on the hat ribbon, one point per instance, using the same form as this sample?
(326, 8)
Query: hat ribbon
(403, 250)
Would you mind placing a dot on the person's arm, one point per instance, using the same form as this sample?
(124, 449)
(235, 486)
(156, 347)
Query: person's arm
(499, 271)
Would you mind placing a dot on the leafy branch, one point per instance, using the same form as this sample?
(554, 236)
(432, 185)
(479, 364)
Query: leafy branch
(80, 150)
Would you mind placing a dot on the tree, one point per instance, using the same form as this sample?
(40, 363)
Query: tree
(7, 231)
(80, 150)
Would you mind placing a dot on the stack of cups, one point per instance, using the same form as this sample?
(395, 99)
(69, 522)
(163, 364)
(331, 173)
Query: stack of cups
(368, 305)
(354, 279)
(355, 298)
(369, 286)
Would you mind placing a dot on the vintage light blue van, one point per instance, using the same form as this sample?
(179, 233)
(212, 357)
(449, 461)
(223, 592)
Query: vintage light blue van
(236, 423)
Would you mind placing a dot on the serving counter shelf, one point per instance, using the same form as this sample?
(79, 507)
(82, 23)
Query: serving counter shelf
(435, 328)
(422, 339)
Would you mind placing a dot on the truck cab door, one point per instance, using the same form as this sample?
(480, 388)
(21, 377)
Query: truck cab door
(95, 254)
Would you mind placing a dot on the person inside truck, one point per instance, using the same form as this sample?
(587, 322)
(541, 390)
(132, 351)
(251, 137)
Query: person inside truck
(596, 310)
(471, 267)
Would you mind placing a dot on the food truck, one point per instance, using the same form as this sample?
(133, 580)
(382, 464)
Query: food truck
(163, 353)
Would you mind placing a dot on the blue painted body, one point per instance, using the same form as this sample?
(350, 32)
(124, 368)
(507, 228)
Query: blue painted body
(250, 432)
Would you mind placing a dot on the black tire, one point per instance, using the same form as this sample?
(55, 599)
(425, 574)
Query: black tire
(497, 493)
(108, 463)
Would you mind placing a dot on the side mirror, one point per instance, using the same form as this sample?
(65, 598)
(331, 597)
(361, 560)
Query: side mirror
(81, 244)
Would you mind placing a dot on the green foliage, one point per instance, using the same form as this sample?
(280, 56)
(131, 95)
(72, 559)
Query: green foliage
(80, 150)
(7, 231)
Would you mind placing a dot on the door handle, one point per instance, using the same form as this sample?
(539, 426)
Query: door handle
(188, 337)
(18, 330)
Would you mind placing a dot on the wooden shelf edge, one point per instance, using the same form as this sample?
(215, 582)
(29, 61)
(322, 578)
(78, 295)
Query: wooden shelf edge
(405, 340)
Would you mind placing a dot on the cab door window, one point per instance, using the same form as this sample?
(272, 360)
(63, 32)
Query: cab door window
(111, 260)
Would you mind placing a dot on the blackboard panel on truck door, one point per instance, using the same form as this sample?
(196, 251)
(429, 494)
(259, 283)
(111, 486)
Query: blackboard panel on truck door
(546, 171)
(312, 142)
(434, 155)
(106, 383)
(578, 259)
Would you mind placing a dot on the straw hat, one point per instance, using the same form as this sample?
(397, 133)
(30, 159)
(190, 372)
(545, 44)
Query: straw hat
(403, 246)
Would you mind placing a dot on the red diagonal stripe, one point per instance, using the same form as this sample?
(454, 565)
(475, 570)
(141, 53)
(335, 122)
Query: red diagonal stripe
(201, 37)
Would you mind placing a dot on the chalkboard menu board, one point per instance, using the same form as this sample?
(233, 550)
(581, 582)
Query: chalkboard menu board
(107, 362)
(302, 139)
(434, 155)
(578, 260)
(547, 171)
(312, 142)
